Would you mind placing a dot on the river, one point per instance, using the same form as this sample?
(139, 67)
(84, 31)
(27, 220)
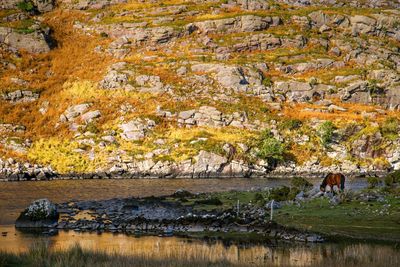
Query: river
(15, 196)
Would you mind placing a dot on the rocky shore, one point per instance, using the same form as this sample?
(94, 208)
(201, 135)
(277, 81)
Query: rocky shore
(300, 212)
(182, 213)
(205, 165)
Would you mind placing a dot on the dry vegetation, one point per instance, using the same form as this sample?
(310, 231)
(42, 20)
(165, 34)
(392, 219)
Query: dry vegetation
(69, 75)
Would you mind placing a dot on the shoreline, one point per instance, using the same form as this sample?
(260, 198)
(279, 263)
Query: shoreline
(128, 176)
(309, 217)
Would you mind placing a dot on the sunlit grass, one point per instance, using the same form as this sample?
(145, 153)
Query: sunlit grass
(40, 254)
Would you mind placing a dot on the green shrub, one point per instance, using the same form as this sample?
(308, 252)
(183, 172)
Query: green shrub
(259, 199)
(392, 178)
(270, 148)
(283, 193)
(267, 81)
(325, 132)
(91, 127)
(389, 128)
(300, 183)
(293, 193)
(279, 193)
(373, 182)
(291, 124)
(26, 6)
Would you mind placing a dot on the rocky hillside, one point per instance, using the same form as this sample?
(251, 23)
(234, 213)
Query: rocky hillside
(198, 88)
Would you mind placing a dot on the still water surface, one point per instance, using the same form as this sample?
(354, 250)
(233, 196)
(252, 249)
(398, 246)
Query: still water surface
(159, 248)
(15, 196)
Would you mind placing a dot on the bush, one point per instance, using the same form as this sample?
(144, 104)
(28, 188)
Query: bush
(259, 198)
(270, 148)
(293, 193)
(325, 132)
(292, 124)
(92, 128)
(103, 35)
(373, 182)
(267, 81)
(300, 183)
(283, 193)
(26, 6)
(389, 128)
(279, 193)
(392, 178)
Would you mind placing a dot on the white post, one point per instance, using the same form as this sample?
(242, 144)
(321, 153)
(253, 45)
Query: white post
(272, 209)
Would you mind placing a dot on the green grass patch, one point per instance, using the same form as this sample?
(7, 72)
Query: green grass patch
(352, 219)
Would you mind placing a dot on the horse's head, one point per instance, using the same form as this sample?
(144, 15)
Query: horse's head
(324, 183)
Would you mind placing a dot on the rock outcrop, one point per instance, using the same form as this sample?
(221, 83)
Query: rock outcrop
(21, 96)
(249, 23)
(11, 170)
(136, 129)
(40, 5)
(35, 42)
(40, 214)
(199, 89)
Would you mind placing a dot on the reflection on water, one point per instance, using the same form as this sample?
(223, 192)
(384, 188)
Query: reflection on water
(181, 248)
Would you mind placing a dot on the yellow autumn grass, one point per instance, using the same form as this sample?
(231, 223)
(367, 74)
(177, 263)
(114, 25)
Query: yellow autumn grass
(228, 135)
(89, 90)
(60, 154)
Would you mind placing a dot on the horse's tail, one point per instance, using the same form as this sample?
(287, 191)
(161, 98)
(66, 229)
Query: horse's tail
(342, 181)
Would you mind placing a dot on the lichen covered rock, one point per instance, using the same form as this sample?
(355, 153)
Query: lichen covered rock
(40, 214)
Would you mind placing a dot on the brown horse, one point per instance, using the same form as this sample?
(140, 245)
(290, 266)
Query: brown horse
(333, 179)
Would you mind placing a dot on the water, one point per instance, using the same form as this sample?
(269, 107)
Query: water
(349, 254)
(15, 196)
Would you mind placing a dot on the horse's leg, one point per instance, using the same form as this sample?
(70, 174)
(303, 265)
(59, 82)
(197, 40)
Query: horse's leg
(333, 190)
(328, 188)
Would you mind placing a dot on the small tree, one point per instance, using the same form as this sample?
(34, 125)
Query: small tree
(270, 148)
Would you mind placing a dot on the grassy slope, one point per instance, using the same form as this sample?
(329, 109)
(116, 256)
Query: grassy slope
(353, 220)
(76, 68)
